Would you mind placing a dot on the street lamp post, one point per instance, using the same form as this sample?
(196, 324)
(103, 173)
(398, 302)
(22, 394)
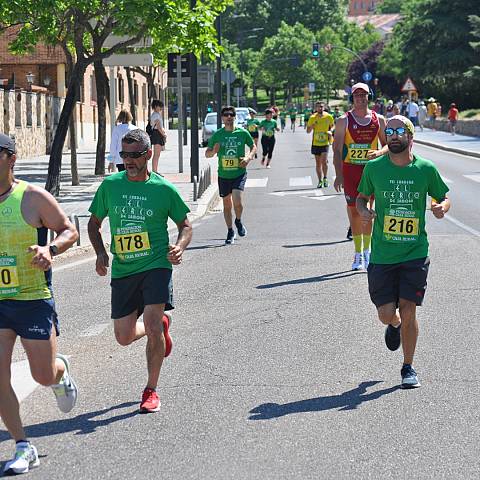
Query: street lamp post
(30, 79)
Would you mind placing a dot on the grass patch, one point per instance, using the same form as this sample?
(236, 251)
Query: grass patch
(472, 114)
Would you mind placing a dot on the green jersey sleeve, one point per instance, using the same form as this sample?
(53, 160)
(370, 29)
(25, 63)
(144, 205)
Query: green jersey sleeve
(248, 139)
(213, 140)
(99, 206)
(437, 188)
(366, 186)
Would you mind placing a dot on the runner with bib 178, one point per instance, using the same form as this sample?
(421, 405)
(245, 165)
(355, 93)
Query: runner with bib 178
(228, 143)
(397, 274)
(357, 134)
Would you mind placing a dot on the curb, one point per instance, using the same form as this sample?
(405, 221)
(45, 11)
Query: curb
(468, 153)
(204, 204)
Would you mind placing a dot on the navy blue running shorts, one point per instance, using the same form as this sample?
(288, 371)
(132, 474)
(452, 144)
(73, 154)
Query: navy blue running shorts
(226, 185)
(29, 319)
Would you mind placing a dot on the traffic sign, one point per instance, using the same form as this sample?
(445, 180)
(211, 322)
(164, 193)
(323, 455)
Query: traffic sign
(311, 87)
(367, 76)
(113, 40)
(228, 76)
(409, 86)
(172, 65)
(129, 60)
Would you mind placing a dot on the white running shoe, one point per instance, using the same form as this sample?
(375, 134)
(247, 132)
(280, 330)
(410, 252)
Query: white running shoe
(66, 391)
(357, 262)
(26, 457)
(366, 258)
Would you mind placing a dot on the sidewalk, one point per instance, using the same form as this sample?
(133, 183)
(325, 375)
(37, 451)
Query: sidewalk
(448, 142)
(76, 200)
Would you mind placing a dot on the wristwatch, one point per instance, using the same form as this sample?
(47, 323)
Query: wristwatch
(53, 250)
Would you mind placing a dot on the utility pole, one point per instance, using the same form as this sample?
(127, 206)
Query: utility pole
(218, 79)
(194, 153)
(179, 113)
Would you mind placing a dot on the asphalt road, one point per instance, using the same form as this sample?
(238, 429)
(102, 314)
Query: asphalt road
(279, 368)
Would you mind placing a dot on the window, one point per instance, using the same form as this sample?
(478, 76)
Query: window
(93, 90)
(144, 95)
(135, 92)
(29, 109)
(39, 110)
(121, 87)
(18, 109)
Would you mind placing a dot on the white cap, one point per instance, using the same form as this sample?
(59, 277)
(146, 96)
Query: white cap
(361, 86)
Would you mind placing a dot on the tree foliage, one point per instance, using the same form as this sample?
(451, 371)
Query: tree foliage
(474, 71)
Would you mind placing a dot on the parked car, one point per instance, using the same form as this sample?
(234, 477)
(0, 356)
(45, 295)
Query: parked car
(209, 127)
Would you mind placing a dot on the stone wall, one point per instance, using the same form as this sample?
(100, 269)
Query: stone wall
(464, 127)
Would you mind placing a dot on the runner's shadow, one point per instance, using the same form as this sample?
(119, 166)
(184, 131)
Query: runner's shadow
(349, 400)
(81, 424)
(204, 247)
(321, 278)
(316, 244)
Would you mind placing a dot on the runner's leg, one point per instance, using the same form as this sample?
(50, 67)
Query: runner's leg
(9, 406)
(324, 163)
(388, 315)
(128, 330)
(409, 329)
(237, 196)
(157, 149)
(227, 210)
(152, 319)
(318, 167)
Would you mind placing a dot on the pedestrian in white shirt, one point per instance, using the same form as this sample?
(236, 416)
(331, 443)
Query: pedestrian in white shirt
(124, 125)
(412, 112)
(422, 115)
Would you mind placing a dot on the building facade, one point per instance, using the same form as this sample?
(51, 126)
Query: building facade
(362, 7)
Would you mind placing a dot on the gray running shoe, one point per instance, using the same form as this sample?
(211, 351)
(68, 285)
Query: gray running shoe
(409, 377)
(66, 391)
(26, 457)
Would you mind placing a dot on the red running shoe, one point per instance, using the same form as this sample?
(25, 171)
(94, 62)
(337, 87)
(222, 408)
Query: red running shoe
(150, 401)
(167, 320)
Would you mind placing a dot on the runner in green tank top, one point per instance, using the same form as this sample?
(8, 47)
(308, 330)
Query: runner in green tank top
(27, 309)
(138, 204)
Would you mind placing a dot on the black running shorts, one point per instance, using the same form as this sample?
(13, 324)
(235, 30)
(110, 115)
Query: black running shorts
(390, 283)
(317, 150)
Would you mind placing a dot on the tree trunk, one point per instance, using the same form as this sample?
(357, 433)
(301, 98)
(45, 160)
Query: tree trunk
(272, 96)
(131, 95)
(55, 163)
(255, 97)
(101, 82)
(73, 149)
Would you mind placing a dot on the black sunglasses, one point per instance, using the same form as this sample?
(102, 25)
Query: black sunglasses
(400, 131)
(6, 150)
(229, 114)
(132, 154)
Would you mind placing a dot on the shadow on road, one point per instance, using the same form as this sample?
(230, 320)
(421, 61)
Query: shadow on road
(321, 278)
(324, 244)
(81, 424)
(204, 247)
(349, 400)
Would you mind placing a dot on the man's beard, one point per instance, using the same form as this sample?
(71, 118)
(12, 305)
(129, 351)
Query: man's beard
(397, 147)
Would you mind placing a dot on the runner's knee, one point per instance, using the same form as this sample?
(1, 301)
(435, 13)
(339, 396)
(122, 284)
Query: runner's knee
(43, 376)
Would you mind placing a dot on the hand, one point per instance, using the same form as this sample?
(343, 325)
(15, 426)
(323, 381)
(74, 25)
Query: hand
(42, 258)
(438, 210)
(244, 162)
(216, 148)
(102, 263)
(175, 253)
(367, 215)
(338, 183)
(372, 154)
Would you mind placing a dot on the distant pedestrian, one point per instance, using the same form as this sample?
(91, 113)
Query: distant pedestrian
(124, 125)
(452, 118)
(389, 110)
(158, 135)
(422, 115)
(432, 108)
(395, 110)
(412, 112)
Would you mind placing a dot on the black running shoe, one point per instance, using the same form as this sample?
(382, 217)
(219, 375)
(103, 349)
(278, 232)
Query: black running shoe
(349, 233)
(392, 337)
(242, 231)
(409, 377)
(230, 237)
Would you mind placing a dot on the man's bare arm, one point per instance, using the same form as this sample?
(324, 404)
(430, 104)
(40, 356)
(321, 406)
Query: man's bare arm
(339, 139)
(175, 252)
(95, 235)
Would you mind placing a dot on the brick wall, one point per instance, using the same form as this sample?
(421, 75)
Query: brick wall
(362, 7)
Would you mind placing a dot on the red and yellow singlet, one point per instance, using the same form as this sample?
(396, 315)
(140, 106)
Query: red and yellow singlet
(359, 139)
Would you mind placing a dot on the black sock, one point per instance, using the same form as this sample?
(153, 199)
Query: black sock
(22, 441)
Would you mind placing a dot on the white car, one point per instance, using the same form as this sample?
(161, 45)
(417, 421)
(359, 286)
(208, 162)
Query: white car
(209, 127)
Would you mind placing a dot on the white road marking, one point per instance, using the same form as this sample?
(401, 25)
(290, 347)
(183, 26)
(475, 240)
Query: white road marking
(447, 180)
(73, 264)
(94, 330)
(458, 223)
(22, 382)
(300, 181)
(256, 182)
(315, 191)
(324, 197)
(475, 178)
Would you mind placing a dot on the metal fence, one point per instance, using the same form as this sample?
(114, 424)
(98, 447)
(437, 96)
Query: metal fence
(200, 185)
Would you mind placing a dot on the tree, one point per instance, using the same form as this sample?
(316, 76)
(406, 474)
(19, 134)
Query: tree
(389, 6)
(85, 25)
(474, 71)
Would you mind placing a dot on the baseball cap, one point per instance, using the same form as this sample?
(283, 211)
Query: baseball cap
(361, 86)
(7, 143)
(408, 124)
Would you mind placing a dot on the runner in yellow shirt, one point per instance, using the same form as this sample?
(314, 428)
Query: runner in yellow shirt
(322, 124)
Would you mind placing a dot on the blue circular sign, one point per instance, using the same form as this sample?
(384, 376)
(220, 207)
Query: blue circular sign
(367, 76)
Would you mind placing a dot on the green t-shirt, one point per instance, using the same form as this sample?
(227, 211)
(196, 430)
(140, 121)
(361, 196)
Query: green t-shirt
(400, 202)
(138, 214)
(252, 125)
(307, 114)
(232, 148)
(283, 115)
(293, 112)
(269, 127)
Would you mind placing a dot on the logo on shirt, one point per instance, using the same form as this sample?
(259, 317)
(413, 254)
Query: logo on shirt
(6, 212)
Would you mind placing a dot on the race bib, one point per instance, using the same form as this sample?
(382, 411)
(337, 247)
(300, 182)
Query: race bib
(252, 128)
(358, 152)
(229, 163)
(401, 225)
(320, 137)
(9, 285)
(131, 243)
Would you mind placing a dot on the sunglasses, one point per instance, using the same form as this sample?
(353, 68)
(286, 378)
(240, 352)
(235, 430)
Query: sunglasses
(400, 131)
(132, 154)
(229, 114)
(6, 150)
